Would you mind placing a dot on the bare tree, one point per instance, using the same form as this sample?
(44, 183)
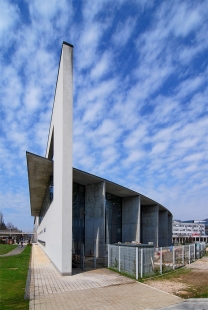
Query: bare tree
(2, 224)
(10, 225)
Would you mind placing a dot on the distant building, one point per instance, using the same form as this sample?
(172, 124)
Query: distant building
(205, 222)
(189, 231)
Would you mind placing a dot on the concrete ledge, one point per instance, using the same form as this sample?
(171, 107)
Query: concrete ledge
(66, 273)
(28, 281)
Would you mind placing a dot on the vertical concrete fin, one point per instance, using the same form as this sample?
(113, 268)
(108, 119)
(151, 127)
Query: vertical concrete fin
(163, 228)
(58, 221)
(67, 161)
(131, 219)
(150, 218)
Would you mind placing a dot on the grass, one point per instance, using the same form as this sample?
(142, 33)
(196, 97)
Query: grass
(5, 248)
(13, 275)
(167, 275)
(122, 273)
(202, 292)
(194, 291)
(170, 274)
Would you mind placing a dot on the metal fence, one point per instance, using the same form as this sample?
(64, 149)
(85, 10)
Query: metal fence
(138, 262)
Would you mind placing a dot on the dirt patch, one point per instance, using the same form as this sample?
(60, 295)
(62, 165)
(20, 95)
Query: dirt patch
(187, 285)
(166, 285)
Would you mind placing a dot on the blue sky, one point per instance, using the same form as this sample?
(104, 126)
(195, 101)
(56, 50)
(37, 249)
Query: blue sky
(140, 96)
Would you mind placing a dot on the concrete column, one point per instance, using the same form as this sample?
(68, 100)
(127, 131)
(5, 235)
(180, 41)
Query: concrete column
(58, 221)
(150, 219)
(163, 229)
(131, 219)
(170, 228)
(63, 155)
(95, 218)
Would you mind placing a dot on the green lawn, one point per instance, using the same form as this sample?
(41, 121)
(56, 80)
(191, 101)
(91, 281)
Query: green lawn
(5, 248)
(13, 275)
(171, 274)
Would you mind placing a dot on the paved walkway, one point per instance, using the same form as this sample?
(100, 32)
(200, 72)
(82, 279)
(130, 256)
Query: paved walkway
(16, 251)
(94, 289)
(190, 304)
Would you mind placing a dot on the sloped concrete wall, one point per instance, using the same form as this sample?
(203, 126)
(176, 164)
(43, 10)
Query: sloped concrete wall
(150, 221)
(95, 218)
(131, 219)
(163, 228)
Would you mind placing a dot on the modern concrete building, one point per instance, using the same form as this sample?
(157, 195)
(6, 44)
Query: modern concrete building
(72, 207)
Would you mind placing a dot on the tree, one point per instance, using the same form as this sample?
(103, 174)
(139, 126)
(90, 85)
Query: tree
(2, 224)
(10, 226)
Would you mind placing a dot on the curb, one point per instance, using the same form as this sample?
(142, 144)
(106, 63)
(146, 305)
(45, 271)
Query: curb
(28, 281)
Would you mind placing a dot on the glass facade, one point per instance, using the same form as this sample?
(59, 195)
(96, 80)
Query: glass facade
(78, 217)
(113, 219)
(113, 215)
(47, 200)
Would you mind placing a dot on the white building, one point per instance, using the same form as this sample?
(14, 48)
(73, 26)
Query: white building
(73, 208)
(188, 232)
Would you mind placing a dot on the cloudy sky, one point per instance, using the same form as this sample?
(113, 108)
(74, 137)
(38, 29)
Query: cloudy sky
(140, 96)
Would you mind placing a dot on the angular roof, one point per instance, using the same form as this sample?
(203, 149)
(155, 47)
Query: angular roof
(41, 168)
(39, 171)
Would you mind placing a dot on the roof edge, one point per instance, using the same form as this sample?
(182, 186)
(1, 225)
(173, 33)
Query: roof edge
(69, 44)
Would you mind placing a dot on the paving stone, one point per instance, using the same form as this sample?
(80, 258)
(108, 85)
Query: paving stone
(92, 289)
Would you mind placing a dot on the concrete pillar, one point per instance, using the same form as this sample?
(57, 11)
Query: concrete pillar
(170, 229)
(163, 229)
(149, 225)
(58, 221)
(95, 218)
(131, 219)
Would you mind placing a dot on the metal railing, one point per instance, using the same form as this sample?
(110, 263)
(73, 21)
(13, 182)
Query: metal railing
(139, 262)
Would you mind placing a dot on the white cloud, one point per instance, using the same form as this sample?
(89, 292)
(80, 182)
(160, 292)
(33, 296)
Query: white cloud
(9, 17)
(160, 148)
(102, 66)
(91, 9)
(123, 32)
(189, 86)
(140, 118)
(32, 98)
(185, 15)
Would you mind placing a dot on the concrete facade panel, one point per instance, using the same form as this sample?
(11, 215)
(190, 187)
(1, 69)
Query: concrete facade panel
(163, 228)
(170, 228)
(150, 220)
(131, 219)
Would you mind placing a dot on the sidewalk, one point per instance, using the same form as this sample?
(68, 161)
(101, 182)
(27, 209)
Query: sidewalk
(190, 304)
(94, 289)
(16, 251)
